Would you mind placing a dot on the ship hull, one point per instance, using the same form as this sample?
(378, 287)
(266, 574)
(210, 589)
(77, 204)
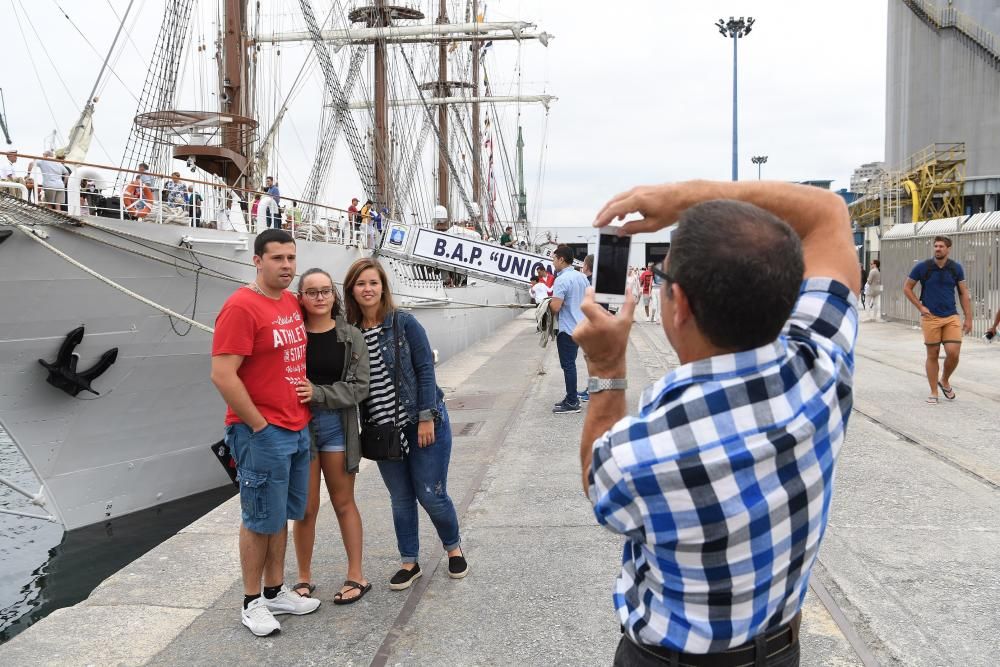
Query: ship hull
(146, 438)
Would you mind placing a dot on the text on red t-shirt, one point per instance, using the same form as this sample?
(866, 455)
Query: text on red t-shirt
(270, 336)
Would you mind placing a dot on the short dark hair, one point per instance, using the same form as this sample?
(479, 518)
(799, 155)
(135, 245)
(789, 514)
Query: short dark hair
(534, 279)
(943, 239)
(270, 236)
(740, 267)
(565, 253)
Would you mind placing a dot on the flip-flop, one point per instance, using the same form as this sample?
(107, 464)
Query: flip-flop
(949, 392)
(932, 400)
(309, 588)
(351, 585)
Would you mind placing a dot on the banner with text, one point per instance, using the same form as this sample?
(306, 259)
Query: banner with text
(471, 256)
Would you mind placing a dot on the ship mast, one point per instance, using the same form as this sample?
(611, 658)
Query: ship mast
(477, 140)
(442, 91)
(381, 20)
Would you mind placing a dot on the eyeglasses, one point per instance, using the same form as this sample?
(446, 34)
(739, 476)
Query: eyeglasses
(317, 293)
(663, 275)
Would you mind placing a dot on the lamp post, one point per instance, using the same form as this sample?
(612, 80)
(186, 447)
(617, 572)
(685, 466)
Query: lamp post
(735, 28)
(758, 160)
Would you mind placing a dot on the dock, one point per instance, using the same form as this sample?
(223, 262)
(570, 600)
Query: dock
(907, 574)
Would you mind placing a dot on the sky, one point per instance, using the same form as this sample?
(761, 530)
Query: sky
(644, 88)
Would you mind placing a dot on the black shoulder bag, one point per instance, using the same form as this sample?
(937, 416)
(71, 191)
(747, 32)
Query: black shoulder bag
(384, 442)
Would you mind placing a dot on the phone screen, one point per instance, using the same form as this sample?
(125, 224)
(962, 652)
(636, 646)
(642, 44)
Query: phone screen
(612, 263)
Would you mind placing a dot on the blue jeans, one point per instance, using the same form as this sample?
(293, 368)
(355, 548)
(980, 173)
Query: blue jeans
(272, 467)
(567, 359)
(422, 476)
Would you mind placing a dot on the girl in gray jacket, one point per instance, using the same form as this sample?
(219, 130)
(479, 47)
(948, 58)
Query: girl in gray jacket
(337, 368)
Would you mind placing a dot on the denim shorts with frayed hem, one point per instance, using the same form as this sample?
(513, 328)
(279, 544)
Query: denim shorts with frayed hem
(328, 429)
(272, 468)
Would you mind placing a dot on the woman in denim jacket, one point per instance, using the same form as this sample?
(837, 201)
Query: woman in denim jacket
(337, 367)
(422, 475)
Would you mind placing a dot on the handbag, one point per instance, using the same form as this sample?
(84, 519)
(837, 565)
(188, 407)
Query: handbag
(384, 442)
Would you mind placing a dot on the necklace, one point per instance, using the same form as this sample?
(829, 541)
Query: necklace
(256, 288)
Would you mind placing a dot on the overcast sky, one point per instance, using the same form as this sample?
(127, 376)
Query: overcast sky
(644, 87)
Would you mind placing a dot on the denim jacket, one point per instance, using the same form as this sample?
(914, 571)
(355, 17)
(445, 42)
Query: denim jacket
(419, 394)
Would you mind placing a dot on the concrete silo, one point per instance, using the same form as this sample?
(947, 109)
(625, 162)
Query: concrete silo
(943, 85)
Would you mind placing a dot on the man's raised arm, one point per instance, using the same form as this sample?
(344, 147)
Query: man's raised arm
(818, 216)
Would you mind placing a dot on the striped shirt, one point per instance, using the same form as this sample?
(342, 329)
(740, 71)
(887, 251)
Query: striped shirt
(721, 484)
(381, 391)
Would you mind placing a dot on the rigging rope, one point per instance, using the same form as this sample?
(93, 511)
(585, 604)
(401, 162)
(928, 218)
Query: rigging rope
(30, 233)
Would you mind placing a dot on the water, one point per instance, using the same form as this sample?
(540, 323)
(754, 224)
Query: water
(43, 568)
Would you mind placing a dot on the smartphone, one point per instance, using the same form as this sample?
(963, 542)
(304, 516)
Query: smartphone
(611, 266)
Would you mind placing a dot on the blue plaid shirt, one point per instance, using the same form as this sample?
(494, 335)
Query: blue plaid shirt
(722, 483)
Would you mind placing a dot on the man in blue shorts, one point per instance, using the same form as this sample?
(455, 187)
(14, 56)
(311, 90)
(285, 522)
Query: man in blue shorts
(939, 277)
(259, 365)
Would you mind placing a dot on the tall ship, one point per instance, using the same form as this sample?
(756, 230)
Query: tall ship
(107, 304)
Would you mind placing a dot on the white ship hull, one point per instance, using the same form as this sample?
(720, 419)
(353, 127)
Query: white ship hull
(145, 440)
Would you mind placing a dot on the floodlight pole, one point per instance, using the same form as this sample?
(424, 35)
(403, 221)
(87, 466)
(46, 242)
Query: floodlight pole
(758, 160)
(736, 29)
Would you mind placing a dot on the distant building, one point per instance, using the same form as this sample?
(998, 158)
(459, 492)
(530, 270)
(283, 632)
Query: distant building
(944, 87)
(817, 183)
(864, 173)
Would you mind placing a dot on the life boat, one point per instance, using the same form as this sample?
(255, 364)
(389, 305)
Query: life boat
(138, 199)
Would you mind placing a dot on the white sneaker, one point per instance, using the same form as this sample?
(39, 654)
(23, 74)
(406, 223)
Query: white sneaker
(259, 619)
(289, 602)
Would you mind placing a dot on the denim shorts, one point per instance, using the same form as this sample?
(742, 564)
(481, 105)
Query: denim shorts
(328, 429)
(272, 467)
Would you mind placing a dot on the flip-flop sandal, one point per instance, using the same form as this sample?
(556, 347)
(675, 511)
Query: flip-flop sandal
(931, 400)
(309, 589)
(949, 392)
(351, 586)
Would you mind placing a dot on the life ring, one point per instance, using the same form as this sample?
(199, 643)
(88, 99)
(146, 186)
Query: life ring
(137, 199)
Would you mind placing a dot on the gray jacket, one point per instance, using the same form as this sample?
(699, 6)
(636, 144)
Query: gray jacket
(347, 394)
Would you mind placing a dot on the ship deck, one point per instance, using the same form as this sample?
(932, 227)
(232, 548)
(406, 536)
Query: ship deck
(906, 575)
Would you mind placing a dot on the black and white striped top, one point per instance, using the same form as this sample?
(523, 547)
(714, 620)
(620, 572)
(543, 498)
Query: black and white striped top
(381, 391)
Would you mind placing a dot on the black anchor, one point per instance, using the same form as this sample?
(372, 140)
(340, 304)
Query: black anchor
(63, 373)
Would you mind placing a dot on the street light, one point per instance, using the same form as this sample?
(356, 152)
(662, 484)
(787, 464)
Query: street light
(735, 28)
(758, 160)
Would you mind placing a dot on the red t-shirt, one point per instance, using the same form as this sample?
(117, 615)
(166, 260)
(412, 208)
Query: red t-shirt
(549, 281)
(646, 281)
(271, 338)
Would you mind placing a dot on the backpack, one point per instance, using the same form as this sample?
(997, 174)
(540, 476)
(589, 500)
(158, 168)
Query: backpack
(929, 266)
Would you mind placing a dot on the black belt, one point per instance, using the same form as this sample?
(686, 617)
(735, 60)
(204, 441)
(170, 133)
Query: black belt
(773, 643)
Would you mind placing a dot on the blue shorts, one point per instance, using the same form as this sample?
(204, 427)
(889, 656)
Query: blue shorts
(328, 429)
(272, 467)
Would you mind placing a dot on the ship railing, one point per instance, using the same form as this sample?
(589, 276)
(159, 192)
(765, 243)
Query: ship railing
(90, 190)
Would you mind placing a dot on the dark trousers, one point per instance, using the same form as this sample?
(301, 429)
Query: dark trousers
(567, 360)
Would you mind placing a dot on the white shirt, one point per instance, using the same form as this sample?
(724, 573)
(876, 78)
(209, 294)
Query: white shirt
(7, 172)
(52, 174)
(538, 292)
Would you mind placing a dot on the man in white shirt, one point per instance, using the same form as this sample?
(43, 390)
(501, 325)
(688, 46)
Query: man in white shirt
(7, 169)
(53, 181)
(539, 291)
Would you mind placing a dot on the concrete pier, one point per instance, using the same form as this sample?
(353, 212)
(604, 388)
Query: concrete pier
(907, 574)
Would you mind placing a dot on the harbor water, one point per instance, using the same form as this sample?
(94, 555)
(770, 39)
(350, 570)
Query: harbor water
(43, 568)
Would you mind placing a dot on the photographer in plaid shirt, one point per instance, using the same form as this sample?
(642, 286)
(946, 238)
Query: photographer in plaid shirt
(721, 483)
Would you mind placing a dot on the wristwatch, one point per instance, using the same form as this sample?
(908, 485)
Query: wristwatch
(596, 385)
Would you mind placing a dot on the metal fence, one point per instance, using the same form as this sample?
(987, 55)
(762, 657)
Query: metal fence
(975, 245)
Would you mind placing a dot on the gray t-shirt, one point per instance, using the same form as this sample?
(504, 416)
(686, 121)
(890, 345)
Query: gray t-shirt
(52, 173)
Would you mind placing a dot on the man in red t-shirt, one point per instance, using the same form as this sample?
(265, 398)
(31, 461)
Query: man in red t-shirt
(259, 367)
(646, 285)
